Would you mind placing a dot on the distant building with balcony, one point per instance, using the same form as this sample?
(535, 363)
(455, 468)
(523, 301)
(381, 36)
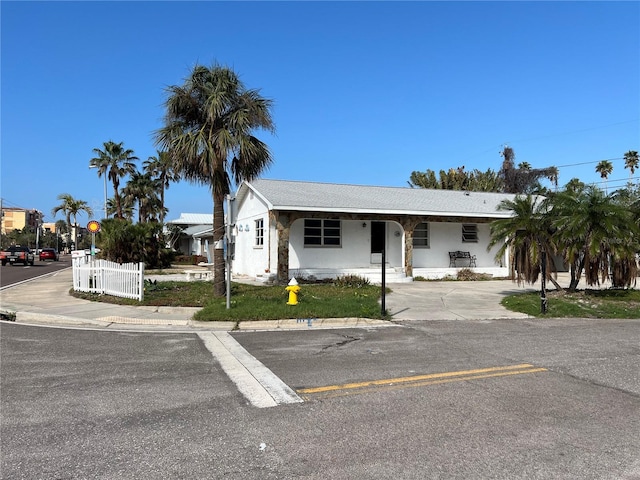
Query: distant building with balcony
(19, 218)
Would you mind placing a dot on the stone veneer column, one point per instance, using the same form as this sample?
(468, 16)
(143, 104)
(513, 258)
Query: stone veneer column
(409, 225)
(283, 226)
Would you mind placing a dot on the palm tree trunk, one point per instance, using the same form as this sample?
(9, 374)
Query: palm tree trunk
(218, 253)
(117, 199)
(576, 273)
(162, 203)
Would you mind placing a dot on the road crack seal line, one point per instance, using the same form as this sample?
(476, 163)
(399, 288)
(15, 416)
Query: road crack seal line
(347, 339)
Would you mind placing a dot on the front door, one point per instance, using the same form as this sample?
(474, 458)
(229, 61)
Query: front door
(378, 237)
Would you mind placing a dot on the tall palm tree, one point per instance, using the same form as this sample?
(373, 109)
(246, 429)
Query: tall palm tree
(64, 207)
(142, 190)
(596, 234)
(161, 167)
(526, 234)
(631, 162)
(72, 207)
(208, 128)
(116, 162)
(604, 168)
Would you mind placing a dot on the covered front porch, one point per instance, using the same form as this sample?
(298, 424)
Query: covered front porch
(412, 245)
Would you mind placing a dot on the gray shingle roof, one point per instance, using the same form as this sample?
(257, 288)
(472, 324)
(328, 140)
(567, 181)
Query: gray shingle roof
(332, 197)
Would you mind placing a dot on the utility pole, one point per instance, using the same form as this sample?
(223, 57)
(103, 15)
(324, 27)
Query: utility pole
(229, 224)
(543, 280)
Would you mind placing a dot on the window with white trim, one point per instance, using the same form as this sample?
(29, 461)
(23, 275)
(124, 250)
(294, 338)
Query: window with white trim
(319, 232)
(259, 232)
(469, 233)
(421, 236)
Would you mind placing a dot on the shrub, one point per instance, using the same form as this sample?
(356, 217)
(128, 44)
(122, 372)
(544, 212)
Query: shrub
(189, 259)
(122, 241)
(351, 281)
(467, 274)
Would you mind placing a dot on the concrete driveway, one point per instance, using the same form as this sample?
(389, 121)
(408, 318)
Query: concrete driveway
(452, 300)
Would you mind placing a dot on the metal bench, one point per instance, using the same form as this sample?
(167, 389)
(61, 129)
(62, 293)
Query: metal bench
(462, 256)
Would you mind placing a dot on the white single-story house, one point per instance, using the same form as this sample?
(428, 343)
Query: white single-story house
(191, 233)
(290, 228)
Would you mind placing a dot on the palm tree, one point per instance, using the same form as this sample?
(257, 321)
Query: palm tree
(604, 168)
(61, 229)
(597, 235)
(208, 128)
(523, 180)
(64, 207)
(526, 234)
(631, 162)
(161, 167)
(72, 208)
(126, 205)
(116, 162)
(143, 190)
(575, 185)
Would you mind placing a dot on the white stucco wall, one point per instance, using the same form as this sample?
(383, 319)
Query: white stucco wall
(447, 237)
(355, 251)
(251, 259)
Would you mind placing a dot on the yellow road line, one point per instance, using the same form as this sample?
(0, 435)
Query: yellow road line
(415, 378)
(432, 377)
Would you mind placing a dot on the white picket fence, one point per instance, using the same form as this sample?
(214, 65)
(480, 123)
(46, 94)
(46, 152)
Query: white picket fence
(111, 278)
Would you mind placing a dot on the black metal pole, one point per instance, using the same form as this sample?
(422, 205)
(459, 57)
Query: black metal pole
(543, 281)
(383, 308)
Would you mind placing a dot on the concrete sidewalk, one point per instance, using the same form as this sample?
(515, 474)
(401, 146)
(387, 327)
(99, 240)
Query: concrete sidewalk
(46, 300)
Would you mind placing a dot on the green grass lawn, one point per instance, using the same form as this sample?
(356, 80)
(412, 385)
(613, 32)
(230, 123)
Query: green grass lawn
(610, 303)
(249, 302)
(252, 302)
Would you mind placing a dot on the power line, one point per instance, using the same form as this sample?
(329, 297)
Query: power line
(554, 135)
(594, 161)
(575, 131)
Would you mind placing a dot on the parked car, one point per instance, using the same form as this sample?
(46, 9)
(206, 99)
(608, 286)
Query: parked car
(49, 254)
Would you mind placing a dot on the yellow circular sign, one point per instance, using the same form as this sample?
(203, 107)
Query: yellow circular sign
(93, 226)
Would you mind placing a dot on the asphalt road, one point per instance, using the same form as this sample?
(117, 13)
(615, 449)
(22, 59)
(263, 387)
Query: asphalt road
(525, 399)
(12, 274)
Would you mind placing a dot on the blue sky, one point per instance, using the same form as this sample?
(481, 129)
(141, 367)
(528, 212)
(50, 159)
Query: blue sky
(364, 92)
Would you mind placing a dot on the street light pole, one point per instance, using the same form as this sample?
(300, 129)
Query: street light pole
(105, 189)
(105, 194)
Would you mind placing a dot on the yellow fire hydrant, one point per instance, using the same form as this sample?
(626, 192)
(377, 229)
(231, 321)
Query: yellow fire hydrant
(293, 290)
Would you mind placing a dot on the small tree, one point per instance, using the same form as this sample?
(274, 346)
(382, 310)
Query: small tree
(528, 238)
(596, 235)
